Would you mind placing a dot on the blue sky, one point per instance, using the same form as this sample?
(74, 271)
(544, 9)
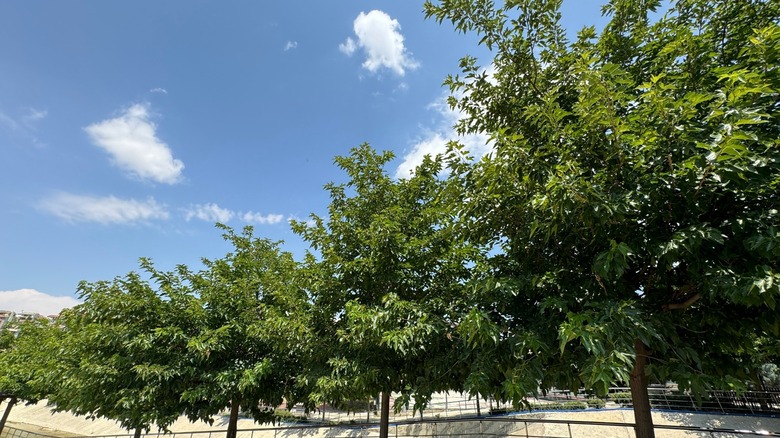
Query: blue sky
(128, 128)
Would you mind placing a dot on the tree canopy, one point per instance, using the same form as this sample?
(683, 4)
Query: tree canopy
(633, 188)
(623, 229)
(144, 352)
(390, 282)
(251, 331)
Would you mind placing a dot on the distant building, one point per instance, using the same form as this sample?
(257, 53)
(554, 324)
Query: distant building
(29, 316)
(10, 320)
(6, 316)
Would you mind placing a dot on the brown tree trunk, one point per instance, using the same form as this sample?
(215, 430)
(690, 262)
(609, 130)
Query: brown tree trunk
(138, 432)
(643, 420)
(232, 430)
(384, 420)
(760, 390)
(11, 403)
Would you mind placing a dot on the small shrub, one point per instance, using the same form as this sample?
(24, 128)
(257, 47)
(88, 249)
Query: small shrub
(354, 405)
(770, 374)
(285, 416)
(596, 403)
(574, 405)
(566, 406)
(621, 398)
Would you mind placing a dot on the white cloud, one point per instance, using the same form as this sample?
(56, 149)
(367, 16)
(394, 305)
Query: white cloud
(267, 219)
(105, 210)
(290, 45)
(34, 115)
(159, 90)
(8, 121)
(25, 122)
(132, 142)
(212, 212)
(24, 126)
(209, 213)
(309, 221)
(434, 142)
(348, 47)
(30, 300)
(379, 37)
(433, 145)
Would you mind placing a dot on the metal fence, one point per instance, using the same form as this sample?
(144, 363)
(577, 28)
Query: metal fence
(669, 398)
(474, 427)
(446, 409)
(459, 405)
(12, 432)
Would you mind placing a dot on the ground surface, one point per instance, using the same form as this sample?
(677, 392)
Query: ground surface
(39, 418)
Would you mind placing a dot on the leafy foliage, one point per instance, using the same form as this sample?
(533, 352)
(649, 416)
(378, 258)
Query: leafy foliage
(595, 403)
(389, 276)
(771, 374)
(632, 189)
(230, 335)
(251, 330)
(7, 339)
(28, 368)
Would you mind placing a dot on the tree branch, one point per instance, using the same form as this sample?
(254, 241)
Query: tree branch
(684, 305)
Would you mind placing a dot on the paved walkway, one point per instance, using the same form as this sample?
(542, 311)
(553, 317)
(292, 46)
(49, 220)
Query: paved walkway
(39, 418)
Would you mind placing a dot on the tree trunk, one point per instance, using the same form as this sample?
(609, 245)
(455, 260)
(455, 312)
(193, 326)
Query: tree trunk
(479, 412)
(759, 390)
(138, 431)
(232, 430)
(384, 420)
(643, 421)
(11, 403)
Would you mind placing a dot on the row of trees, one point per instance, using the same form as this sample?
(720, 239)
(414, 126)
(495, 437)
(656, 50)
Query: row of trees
(188, 343)
(624, 229)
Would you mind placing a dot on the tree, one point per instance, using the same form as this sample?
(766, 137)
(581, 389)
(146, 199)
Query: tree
(7, 338)
(231, 335)
(252, 332)
(388, 284)
(632, 190)
(122, 354)
(28, 366)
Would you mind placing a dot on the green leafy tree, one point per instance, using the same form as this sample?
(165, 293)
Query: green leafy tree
(28, 367)
(122, 354)
(252, 332)
(388, 285)
(229, 336)
(632, 190)
(7, 338)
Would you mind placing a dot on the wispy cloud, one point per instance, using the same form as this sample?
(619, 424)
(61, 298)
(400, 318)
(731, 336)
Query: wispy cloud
(212, 212)
(308, 221)
(209, 213)
(33, 115)
(263, 219)
(348, 47)
(104, 210)
(159, 90)
(380, 38)
(30, 300)
(25, 125)
(24, 122)
(290, 45)
(8, 122)
(434, 141)
(131, 140)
